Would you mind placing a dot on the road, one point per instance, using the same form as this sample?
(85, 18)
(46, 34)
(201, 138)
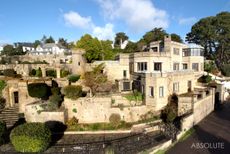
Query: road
(212, 135)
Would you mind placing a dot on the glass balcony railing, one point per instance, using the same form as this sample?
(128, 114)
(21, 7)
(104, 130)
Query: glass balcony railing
(193, 52)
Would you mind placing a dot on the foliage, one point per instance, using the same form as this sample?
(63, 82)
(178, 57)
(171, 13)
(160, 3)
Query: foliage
(63, 42)
(148, 117)
(9, 50)
(39, 90)
(115, 119)
(50, 40)
(135, 96)
(2, 86)
(97, 81)
(9, 72)
(213, 34)
(2, 103)
(31, 137)
(38, 72)
(2, 131)
(98, 126)
(32, 72)
(176, 38)
(205, 79)
(64, 73)
(73, 78)
(120, 38)
(169, 113)
(51, 73)
(225, 69)
(73, 121)
(74, 110)
(55, 91)
(209, 66)
(96, 49)
(36, 43)
(72, 92)
(54, 102)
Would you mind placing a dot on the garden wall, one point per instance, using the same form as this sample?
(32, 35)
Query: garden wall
(34, 113)
(202, 108)
(99, 109)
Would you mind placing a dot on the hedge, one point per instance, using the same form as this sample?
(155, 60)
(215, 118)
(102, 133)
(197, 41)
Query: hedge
(73, 78)
(51, 73)
(72, 92)
(225, 69)
(9, 72)
(31, 137)
(115, 119)
(39, 90)
(2, 131)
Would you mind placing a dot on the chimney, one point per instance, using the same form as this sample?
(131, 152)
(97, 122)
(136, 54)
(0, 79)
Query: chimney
(167, 43)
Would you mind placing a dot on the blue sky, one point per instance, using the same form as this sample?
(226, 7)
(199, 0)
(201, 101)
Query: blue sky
(28, 20)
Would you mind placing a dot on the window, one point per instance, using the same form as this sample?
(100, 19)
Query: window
(124, 73)
(195, 66)
(175, 66)
(176, 51)
(126, 86)
(154, 49)
(161, 91)
(151, 91)
(176, 87)
(157, 66)
(185, 66)
(79, 63)
(142, 66)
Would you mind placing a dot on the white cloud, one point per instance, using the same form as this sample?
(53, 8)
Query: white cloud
(139, 15)
(187, 21)
(74, 19)
(105, 32)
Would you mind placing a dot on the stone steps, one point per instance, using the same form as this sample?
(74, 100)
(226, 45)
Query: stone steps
(9, 115)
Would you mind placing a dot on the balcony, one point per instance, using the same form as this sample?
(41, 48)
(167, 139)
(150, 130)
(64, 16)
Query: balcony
(193, 52)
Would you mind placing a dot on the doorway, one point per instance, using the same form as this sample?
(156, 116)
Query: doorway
(16, 100)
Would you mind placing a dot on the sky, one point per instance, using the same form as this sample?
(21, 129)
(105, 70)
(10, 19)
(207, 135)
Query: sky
(29, 20)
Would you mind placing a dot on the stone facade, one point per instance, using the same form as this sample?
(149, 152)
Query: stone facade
(99, 109)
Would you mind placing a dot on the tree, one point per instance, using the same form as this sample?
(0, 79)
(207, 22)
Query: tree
(73, 92)
(36, 43)
(176, 38)
(50, 40)
(92, 47)
(96, 80)
(213, 33)
(131, 47)
(157, 34)
(8, 50)
(120, 38)
(63, 42)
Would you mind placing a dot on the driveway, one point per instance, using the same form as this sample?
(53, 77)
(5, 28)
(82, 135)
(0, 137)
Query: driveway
(212, 135)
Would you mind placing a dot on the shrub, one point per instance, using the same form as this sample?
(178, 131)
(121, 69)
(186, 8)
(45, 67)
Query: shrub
(73, 121)
(2, 86)
(72, 92)
(54, 102)
(30, 137)
(2, 131)
(205, 79)
(39, 90)
(38, 72)
(115, 119)
(2, 103)
(55, 90)
(73, 78)
(74, 110)
(51, 73)
(64, 73)
(9, 72)
(33, 72)
(225, 69)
